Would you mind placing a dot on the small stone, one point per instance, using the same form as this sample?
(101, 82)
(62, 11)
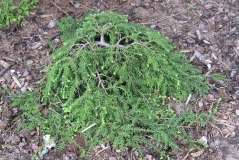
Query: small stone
(217, 142)
(132, 4)
(29, 62)
(220, 10)
(203, 139)
(148, 157)
(51, 24)
(77, 5)
(112, 158)
(233, 134)
(153, 26)
(146, 4)
(206, 42)
(136, 153)
(237, 112)
(117, 150)
(12, 71)
(233, 73)
(55, 41)
(208, 6)
(200, 103)
(230, 14)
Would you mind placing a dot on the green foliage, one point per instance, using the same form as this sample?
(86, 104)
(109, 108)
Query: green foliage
(190, 6)
(217, 77)
(115, 75)
(11, 12)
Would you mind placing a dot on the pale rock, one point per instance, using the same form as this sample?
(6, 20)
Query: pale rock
(55, 41)
(230, 14)
(51, 24)
(200, 103)
(133, 4)
(233, 134)
(203, 139)
(29, 62)
(153, 26)
(208, 6)
(77, 5)
(12, 71)
(237, 112)
(217, 142)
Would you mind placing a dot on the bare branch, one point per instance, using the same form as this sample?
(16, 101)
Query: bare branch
(102, 41)
(100, 82)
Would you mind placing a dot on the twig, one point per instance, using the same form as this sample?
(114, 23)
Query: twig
(59, 8)
(88, 127)
(221, 122)
(189, 97)
(236, 51)
(100, 82)
(102, 150)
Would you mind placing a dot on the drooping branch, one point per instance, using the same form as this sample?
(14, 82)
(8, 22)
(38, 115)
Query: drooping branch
(100, 82)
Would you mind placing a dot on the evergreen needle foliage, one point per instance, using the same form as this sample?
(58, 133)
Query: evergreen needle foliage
(115, 75)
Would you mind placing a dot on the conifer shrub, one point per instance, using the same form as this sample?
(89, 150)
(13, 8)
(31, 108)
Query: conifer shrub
(109, 82)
